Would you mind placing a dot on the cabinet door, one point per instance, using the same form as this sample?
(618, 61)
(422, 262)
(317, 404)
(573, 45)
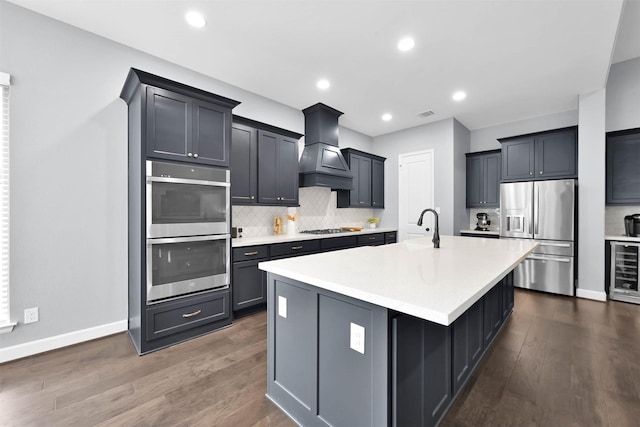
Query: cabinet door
(556, 155)
(168, 124)
(249, 285)
(467, 344)
(355, 166)
(211, 128)
(377, 183)
(507, 296)
(492, 313)
(623, 164)
(244, 165)
(492, 174)
(287, 178)
(474, 182)
(364, 182)
(267, 168)
(518, 159)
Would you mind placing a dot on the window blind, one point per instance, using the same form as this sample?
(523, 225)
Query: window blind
(5, 324)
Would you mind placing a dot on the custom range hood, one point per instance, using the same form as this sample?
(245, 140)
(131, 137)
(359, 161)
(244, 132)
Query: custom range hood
(322, 163)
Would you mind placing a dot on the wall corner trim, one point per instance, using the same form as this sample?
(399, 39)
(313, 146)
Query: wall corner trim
(51, 343)
(588, 294)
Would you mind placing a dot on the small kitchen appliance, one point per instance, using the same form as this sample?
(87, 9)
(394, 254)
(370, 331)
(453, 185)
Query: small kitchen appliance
(483, 222)
(236, 232)
(632, 225)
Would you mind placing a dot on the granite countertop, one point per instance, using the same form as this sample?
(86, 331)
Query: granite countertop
(622, 238)
(412, 277)
(488, 233)
(281, 238)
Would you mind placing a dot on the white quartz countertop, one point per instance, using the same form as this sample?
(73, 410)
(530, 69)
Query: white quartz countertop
(281, 238)
(412, 277)
(622, 238)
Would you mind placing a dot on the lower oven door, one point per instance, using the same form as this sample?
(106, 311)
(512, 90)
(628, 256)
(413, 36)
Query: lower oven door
(183, 265)
(547, 273)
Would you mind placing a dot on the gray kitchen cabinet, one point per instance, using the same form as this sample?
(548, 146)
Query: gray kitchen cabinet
(249, 284)
(375, 239)
(545, 155)
(623, 166)
(244, 165)
(367, 188)
(390, 237)
(336, 243)
(264, 164)
(507, 296)
(468, 344)
(483, 179)
(492, 313)
(185, 128)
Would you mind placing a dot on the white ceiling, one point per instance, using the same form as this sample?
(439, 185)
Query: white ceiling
(515, 59)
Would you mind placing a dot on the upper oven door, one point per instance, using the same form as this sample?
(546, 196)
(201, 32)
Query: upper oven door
(179, 206)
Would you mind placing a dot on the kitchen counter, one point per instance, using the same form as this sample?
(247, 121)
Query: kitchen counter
(281, 238)
(622, 238)
(385, 335)
(412, 277)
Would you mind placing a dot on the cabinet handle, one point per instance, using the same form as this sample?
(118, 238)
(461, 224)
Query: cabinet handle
(361, 203)
(372, 238)
(540, 172)
(251, 253)
(374, 203)
(295, 248)
(253, 197)
(530, 173)
(195, 313)
(189, 154)
(195, 155)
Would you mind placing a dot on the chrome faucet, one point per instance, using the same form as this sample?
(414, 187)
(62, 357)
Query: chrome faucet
(436, 232)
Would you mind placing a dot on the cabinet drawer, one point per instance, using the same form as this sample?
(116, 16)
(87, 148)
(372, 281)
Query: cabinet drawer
(371, 239)
(295, 248)
(335, 243)
(250, 252)
(390, 237)
(173, 317)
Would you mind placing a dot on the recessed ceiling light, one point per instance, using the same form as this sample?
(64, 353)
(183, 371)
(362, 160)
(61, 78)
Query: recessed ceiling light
(386, 117)
(323, 84)
(459, 96)
(406, 44)
(195, 19)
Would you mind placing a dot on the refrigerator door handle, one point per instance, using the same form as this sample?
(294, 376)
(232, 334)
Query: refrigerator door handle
(544, 258)
(536, 207)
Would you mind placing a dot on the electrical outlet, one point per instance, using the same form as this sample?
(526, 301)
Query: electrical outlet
(30, 315)
(282, 306)
(357, 338)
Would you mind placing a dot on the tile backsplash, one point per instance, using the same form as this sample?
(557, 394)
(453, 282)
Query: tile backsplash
(494, 217)
(614, 218)
(317, 210)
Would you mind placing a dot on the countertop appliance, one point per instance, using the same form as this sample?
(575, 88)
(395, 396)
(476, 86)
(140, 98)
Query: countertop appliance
(483, 222)
(544, 211)
(625, 258)
(632, 225)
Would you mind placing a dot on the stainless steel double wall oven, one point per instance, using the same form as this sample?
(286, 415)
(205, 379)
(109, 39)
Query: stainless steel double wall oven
(187, 230)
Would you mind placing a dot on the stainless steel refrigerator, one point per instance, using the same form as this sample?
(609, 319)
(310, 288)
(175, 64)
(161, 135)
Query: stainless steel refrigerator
(544, 211)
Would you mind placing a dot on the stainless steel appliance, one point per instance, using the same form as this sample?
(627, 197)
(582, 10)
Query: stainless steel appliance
(483, 221)
(186, 200)
(188, 240)
(544, 211)
(625, 258)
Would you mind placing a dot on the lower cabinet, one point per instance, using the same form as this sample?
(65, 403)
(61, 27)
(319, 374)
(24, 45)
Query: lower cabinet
(467, 344)
(492, 313)
(375, 239)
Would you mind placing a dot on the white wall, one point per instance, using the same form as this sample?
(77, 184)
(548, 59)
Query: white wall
(349, 138)
(68, 168)
(437, 136)
(623, 95)
(461, 145)
(487, 138)
(591, 195)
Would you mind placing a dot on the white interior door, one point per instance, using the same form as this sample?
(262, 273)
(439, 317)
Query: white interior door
(415, 193)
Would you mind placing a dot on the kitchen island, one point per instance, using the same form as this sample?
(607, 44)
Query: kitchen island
(387, 335)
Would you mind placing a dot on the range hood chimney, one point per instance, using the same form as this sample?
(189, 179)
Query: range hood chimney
(322, 163)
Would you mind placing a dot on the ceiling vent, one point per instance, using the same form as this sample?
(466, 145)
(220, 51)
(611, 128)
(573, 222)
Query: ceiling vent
(426, 113)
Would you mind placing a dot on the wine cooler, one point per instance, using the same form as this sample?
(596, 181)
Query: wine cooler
(624, 272)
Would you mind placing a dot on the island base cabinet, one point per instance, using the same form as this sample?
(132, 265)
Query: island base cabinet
(327, 356)
(468, 344)
(421, 371)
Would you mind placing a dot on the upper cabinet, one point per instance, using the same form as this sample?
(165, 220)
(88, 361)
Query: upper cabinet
(483, 179)
(264, 164)
(545, 155)
(367, 190)
(623, 164)
(180, 122)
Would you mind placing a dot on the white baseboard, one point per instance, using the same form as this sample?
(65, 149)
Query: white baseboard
(46, 344)
(594, 295)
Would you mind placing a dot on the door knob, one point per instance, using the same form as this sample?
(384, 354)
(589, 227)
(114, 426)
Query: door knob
(189, 154)
(195, 155)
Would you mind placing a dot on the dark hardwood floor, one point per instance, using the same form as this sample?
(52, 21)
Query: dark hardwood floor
(558, 362)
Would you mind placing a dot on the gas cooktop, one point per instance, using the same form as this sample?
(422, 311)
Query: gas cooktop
(325, 231)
